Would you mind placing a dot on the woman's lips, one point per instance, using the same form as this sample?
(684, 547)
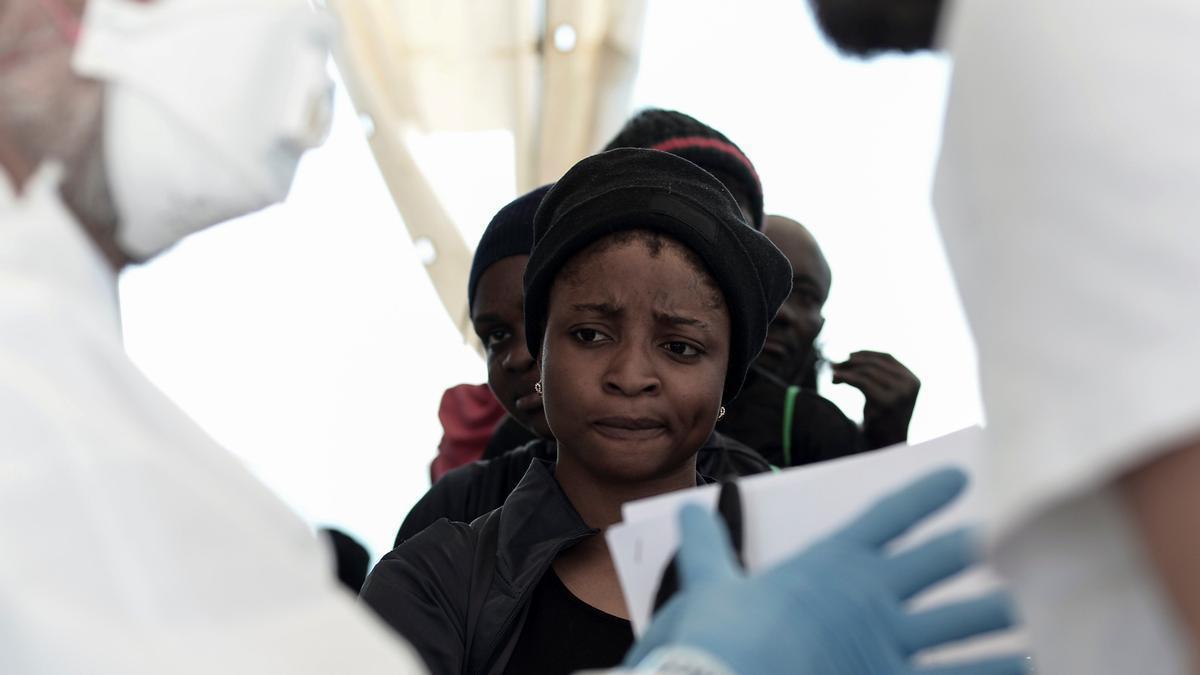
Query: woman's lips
(629, 428)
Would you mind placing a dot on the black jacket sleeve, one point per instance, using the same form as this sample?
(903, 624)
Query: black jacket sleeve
(421, 590)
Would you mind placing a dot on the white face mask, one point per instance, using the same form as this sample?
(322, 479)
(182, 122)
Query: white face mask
(209, 106)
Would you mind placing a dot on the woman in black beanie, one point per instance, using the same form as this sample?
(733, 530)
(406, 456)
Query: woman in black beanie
(495, 298)
(647, 297)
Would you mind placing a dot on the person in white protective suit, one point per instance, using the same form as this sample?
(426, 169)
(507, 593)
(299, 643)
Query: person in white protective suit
(1068, 195)
(129, 541)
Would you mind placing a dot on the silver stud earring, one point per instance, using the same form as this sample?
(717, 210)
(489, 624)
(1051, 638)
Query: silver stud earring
(537, 387)
(720, 412)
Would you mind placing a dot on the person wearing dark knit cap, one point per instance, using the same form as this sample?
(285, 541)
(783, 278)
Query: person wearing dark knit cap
(685, 136)
(647, 297)
(495, 301)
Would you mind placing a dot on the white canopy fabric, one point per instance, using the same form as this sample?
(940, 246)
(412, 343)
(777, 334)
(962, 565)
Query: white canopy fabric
(556, 73)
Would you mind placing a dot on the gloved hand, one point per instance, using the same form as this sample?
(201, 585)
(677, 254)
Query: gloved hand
(835, 608)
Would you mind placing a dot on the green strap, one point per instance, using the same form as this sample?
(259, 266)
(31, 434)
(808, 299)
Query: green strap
(789, 412)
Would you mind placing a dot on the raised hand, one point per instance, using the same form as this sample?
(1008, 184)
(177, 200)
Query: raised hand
(890, 390)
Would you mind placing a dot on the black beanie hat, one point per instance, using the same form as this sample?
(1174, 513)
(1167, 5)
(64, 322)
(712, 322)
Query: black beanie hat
(695, 141)
(630, 189)
(510, 233)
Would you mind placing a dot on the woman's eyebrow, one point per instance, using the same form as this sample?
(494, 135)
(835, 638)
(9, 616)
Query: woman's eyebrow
(679, 320)
(604, 309)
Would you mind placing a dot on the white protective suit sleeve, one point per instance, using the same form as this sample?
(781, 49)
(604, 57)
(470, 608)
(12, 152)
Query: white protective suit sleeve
(1067, 194)
(131, 542)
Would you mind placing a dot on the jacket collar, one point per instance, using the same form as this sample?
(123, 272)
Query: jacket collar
(536, 523)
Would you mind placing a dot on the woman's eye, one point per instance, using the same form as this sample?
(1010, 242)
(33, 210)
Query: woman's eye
(495, 337)
(682, 349)
(588, 335)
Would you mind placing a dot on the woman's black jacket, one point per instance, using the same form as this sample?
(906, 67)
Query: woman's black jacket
(460, 593)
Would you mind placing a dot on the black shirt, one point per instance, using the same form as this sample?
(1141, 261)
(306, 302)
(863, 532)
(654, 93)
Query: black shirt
(563, 634)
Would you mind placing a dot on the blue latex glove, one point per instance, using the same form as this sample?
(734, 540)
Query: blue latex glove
(836, 608)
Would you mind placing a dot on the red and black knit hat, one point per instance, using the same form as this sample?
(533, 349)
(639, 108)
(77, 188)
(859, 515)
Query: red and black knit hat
(689, 138)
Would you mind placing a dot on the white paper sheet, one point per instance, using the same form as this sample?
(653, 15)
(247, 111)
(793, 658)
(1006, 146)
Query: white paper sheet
(785, 512)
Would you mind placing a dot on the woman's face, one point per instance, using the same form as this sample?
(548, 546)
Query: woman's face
(634, 357)
(498, 315)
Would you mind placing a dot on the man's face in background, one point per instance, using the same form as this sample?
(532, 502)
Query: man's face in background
(789, 348)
